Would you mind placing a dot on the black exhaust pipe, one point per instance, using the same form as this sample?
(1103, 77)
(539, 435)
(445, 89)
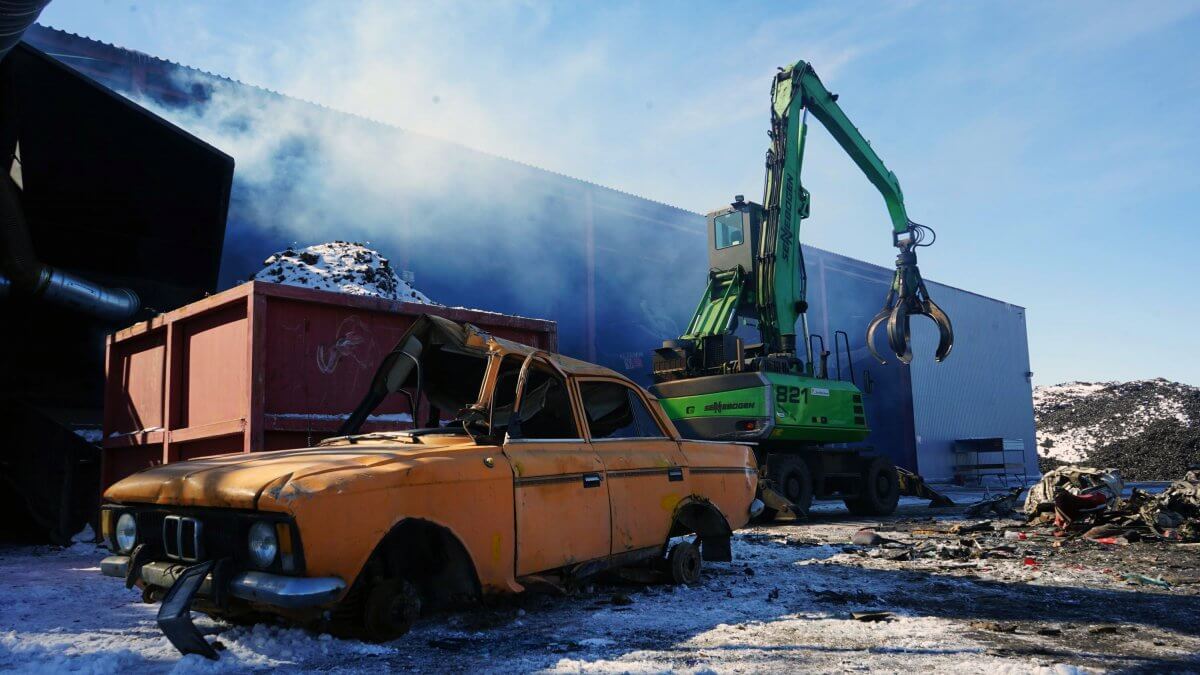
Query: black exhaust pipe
(20, 270)
(29, 276)
(16, 16)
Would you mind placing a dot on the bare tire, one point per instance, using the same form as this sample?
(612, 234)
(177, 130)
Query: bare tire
(683, 562)
(392, 607)
(792, 478)
(879, 489)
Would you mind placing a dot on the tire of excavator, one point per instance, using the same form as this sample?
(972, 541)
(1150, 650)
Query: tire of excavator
(793, 479)
(879, 489)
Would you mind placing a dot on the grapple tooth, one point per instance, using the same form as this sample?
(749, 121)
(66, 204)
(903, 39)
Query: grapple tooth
(945, 330)
(871, 327)
(898, 333)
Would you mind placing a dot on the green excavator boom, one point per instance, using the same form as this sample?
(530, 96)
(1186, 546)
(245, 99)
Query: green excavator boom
(802, 420)
(770, 286)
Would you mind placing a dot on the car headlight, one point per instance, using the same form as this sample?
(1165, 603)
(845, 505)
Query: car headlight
(263, 544)
(126, 532)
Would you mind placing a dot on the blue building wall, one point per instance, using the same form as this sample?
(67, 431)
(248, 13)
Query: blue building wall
(845, 294)
(982, 390)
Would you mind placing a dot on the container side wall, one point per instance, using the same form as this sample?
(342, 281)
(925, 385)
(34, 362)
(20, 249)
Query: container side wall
(135, 385)
(215, 377)
(320, 358)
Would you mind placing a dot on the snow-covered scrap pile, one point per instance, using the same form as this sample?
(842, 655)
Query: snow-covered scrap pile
(341, 266)
(1149, 429)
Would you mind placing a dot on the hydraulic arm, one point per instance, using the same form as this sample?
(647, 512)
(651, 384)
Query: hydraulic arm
(768, 283)
(803, 421)
(781, 288)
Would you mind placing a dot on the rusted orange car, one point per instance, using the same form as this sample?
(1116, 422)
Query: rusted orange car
(552, 469)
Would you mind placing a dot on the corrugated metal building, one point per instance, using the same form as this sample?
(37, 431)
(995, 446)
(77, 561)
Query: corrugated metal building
(617, 272)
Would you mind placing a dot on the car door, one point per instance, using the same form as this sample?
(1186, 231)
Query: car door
(559, 490)
(644, 466)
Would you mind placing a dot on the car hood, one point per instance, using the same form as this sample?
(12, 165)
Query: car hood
(241, 480)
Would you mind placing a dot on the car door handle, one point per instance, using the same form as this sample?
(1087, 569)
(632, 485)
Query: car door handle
(591, 480)
(675, 473)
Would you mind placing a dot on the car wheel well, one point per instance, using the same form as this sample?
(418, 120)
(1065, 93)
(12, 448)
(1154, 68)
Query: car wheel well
(706, 521)
(431, 557)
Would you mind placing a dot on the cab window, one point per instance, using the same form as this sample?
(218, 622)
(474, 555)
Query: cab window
(545, 405)
(616, 411)
(728, 229)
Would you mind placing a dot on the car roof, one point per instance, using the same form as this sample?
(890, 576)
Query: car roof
(569, 365)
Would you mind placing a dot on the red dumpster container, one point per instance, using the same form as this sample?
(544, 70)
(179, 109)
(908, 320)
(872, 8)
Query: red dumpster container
(260, 367)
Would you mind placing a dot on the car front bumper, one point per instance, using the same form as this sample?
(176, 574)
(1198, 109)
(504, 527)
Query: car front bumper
(265, 588)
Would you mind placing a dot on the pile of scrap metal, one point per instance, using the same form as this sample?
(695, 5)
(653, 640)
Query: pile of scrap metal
(1089, 501)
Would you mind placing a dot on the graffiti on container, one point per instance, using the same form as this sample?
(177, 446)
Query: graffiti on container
(351, 334)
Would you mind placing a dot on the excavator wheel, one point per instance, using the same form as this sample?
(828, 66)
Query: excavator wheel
(879, 489)
(792, 478)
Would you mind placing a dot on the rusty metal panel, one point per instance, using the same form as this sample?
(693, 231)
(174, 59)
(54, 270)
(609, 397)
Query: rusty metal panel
(134, 385)
(214, 362)
(321, 357)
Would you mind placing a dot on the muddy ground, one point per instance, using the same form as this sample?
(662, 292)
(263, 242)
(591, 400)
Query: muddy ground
(784, 605)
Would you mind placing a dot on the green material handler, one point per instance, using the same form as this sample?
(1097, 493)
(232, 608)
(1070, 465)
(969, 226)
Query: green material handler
(715, 386)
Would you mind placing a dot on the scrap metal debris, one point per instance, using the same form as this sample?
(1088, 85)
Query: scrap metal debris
(1000, 505)
(913, 485)
(1089, 501)
(872, 617)
(1077, 481)
(1077, 526)
(869, 537)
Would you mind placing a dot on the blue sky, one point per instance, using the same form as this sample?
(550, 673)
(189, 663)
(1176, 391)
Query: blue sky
(1053, 146)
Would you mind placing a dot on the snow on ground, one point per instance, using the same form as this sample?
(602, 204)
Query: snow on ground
(783, 606)
(340, 266)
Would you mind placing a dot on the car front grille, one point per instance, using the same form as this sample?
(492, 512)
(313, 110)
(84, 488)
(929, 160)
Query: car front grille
(193, 535)
(183, 538)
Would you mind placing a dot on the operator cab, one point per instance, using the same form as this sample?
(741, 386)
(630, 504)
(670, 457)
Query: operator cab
(733, 234)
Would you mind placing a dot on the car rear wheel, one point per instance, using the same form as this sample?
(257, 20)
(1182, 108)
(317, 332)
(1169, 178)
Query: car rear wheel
(392, 607)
